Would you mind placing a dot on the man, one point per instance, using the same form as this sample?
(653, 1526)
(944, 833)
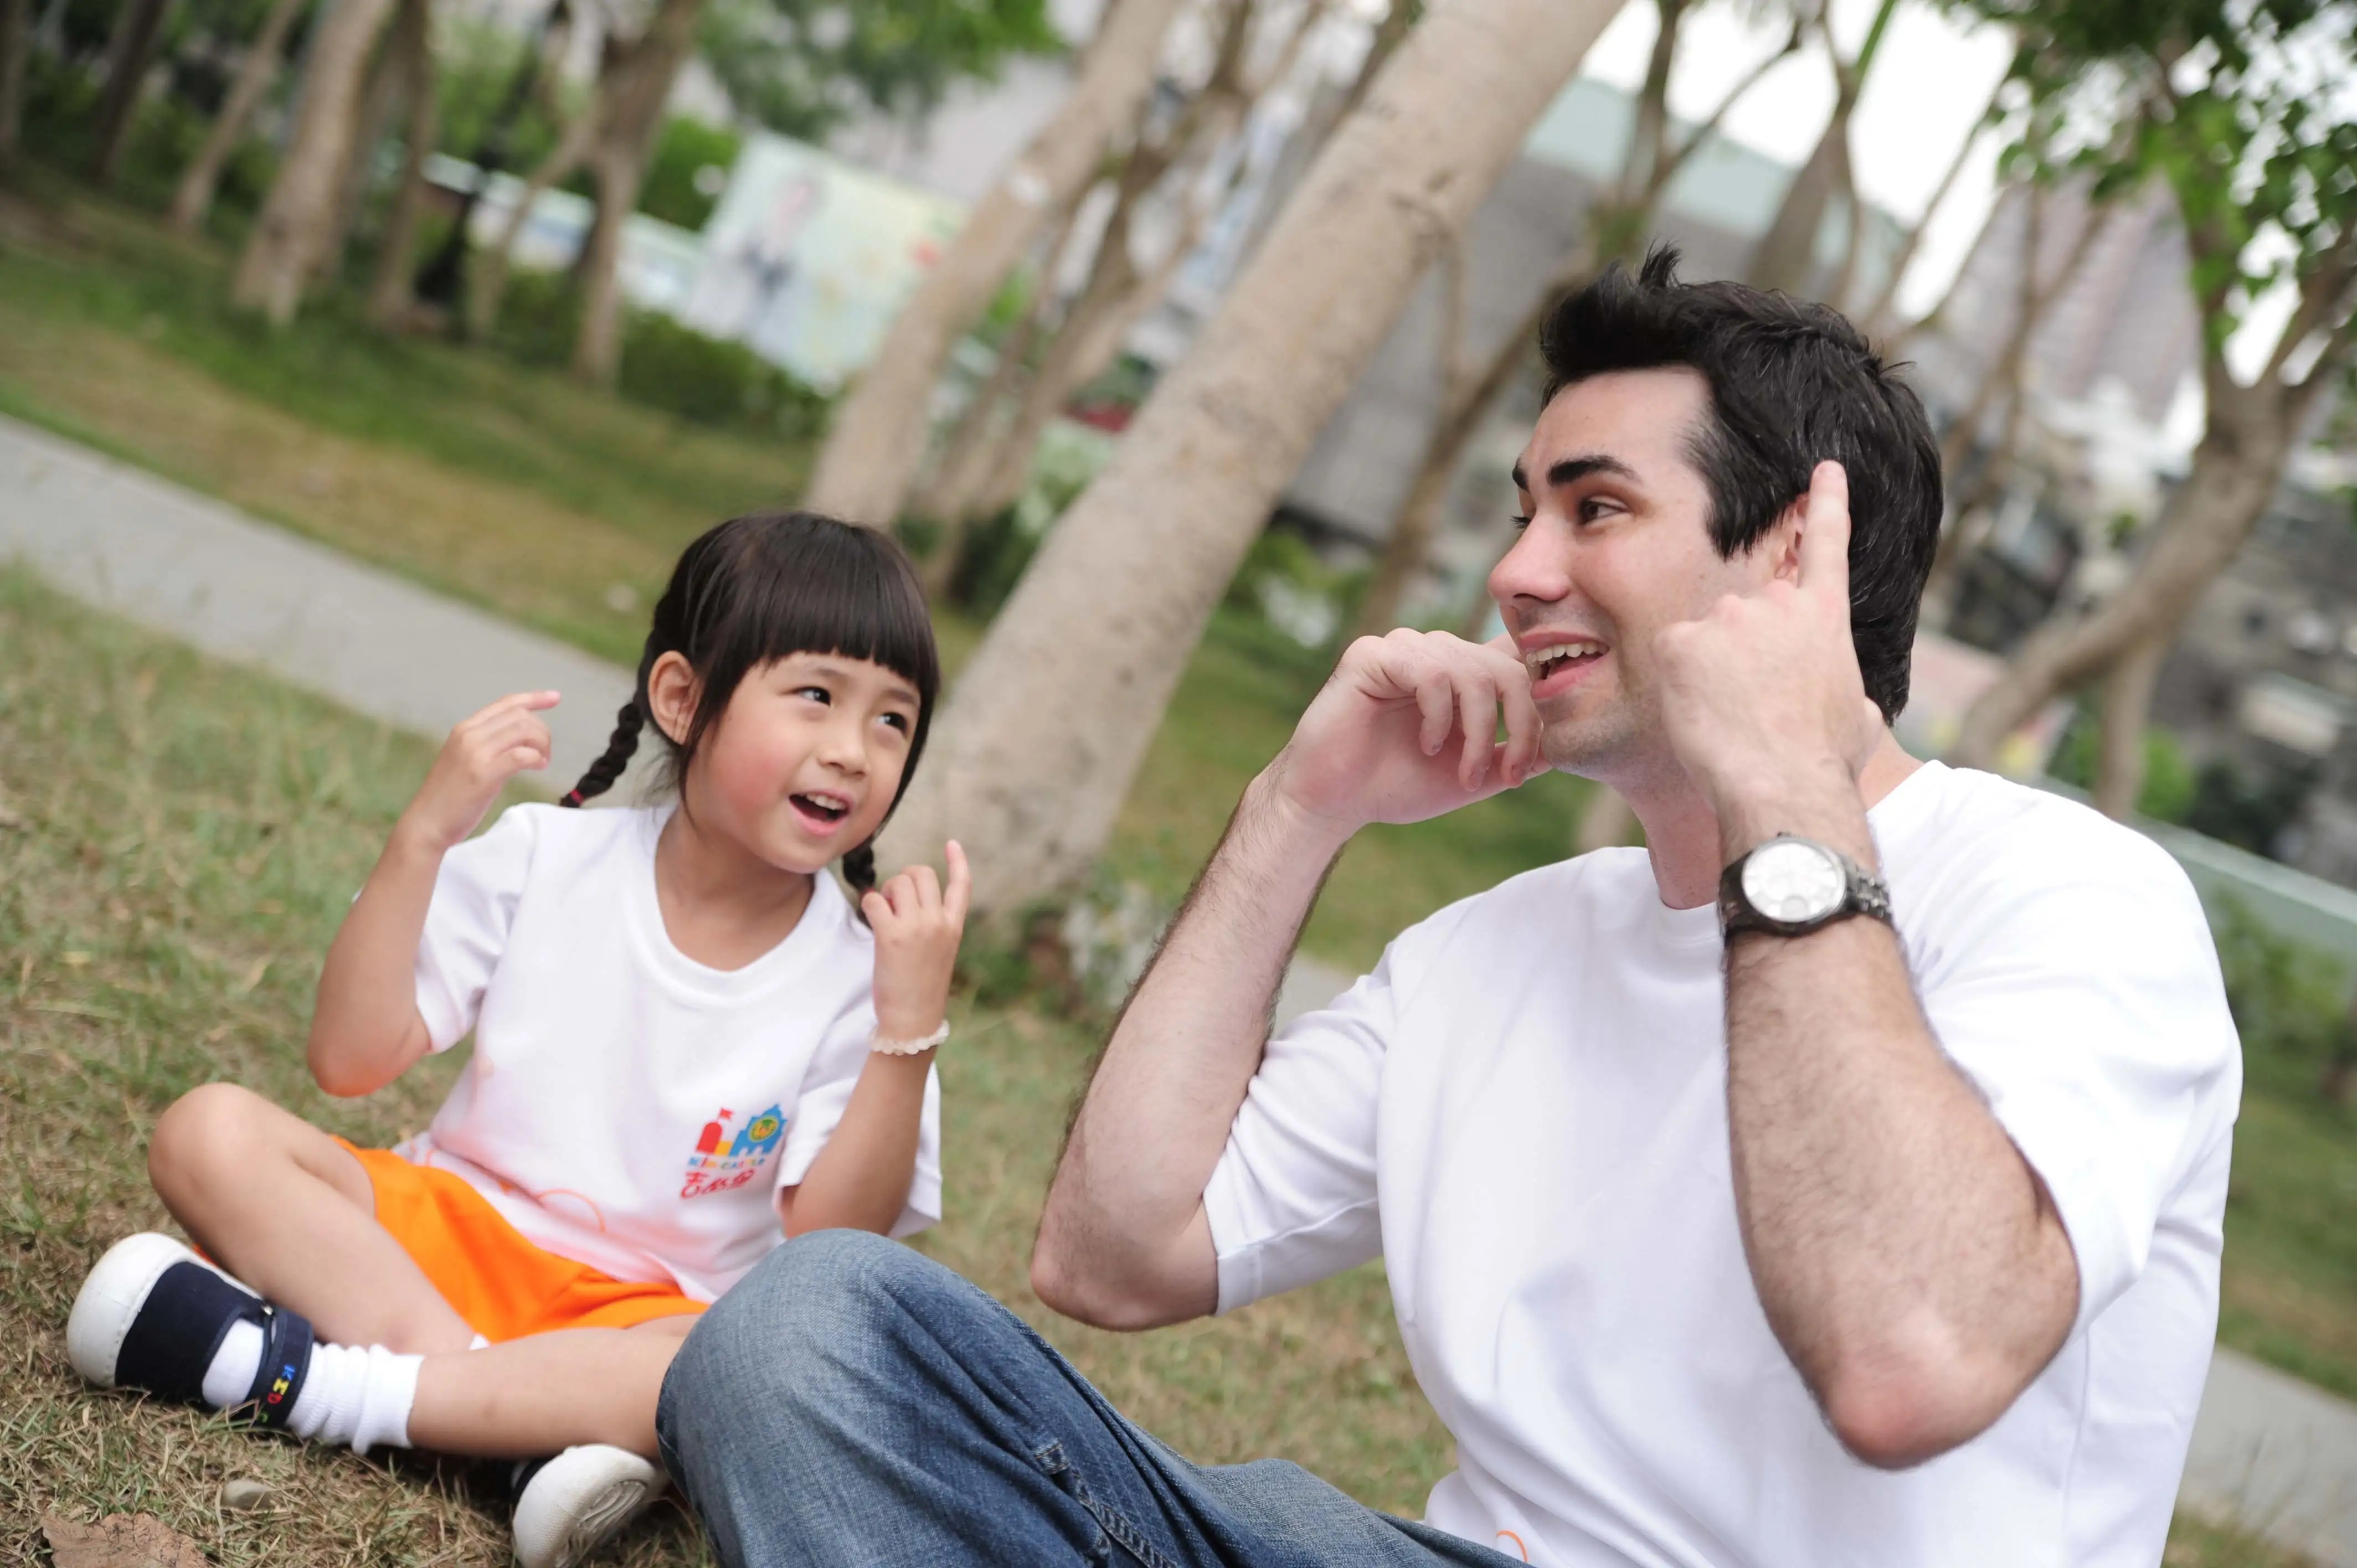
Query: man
(1838, 1180)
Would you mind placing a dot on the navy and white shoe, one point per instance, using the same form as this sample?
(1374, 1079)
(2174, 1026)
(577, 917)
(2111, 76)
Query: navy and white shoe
(153, 1314)
(567, 1507)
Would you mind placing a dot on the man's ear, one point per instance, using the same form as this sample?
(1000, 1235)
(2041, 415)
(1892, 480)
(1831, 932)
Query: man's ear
(671, 690)
(1782, 541)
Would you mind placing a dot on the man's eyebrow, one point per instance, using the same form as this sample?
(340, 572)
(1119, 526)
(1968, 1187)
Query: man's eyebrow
(1571, 470)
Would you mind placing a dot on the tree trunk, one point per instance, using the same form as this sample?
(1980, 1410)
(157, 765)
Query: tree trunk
(2006, 371)
(193, 199)
(964, 460)
(2236, 469)
(2008, 378)
(488, 288)
(16, 47)
(990, 475)
(289, 238)
(630, 113)
(129, 57)
(598, 342)
(877, 444)
(2127, 705)
(381, 97)
(1055, 710)
(1419, 516)
(993, 474)
(1879, 320)
(390, 292)
(1786, 257)
(1087, 340)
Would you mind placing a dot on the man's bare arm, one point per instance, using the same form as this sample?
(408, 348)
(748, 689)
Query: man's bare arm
(1908, 1258)
(1123, 1242)
(1404, 730)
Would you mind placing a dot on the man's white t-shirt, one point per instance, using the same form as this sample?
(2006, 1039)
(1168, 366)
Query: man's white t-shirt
(1523, 1111)
(625, 1106)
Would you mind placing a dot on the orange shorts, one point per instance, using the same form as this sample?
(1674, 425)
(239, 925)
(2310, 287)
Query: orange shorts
(487, 1271)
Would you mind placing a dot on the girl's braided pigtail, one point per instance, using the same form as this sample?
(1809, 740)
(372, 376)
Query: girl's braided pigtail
(609, 767)
(859, 870)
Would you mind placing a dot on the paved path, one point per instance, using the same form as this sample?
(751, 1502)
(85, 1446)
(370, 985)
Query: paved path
(2268, 1449)
(2278, 1454)
(129, 543)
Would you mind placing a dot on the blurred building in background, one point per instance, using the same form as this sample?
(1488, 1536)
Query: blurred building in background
(2258, 696)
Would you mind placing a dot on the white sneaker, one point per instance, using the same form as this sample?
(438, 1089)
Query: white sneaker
(571, 1504)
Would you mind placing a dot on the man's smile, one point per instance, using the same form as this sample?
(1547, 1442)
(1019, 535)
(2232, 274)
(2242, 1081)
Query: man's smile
(1558, 662)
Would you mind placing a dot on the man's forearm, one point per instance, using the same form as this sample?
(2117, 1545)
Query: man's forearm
(1905, 1254)
(1122, 1240)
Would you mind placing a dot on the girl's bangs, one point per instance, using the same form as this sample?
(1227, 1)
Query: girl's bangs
(810, 585)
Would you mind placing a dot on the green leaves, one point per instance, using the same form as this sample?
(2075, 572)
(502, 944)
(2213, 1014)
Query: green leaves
(2239, 106)
(801, 67)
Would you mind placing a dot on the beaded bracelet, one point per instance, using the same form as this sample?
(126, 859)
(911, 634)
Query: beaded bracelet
(883, 1046)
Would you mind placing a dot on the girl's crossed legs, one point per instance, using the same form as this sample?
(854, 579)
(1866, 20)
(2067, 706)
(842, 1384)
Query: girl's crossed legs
(292, 1212)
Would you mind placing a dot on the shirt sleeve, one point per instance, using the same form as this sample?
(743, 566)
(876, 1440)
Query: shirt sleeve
(1292, 1197)
(826, 1093)
(475, 899)
(2088, 1011)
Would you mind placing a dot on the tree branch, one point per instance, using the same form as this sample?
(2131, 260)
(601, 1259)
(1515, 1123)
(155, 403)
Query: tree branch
(1667, 168)
(2322, 293)
(1885, 303)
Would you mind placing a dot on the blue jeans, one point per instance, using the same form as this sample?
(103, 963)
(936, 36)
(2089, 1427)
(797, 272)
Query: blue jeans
(854, 1403)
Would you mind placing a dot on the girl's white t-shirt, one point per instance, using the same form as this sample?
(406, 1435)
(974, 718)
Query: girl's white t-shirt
(625, 1106)
(1523, 1111)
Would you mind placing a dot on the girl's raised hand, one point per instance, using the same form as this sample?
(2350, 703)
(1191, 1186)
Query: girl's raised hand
(481, 755)
(918, 922)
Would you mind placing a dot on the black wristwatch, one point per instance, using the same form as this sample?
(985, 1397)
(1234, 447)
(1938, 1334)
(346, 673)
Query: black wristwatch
(1790, 886)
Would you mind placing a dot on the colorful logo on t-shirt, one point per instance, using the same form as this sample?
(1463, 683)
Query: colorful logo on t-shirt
(732, 1152)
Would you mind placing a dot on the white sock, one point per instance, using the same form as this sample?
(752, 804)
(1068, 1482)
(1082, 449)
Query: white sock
(358, 1394)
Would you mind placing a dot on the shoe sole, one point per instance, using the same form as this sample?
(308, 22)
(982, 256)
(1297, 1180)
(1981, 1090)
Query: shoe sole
(112, 1295)
(558, 1528)
(618, 1506)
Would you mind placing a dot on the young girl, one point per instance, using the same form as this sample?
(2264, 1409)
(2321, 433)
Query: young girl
(688, 1046)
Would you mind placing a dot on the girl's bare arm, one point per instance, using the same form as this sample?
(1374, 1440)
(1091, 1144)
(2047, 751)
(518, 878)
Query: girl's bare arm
(860, 1180)
(366, 1029)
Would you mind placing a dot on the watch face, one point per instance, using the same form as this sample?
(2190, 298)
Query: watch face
(1794, 881)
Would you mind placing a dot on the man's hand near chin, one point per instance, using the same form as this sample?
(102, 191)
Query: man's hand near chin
(1404, 730)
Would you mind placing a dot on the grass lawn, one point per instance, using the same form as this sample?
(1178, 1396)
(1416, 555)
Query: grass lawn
(2289, 1295)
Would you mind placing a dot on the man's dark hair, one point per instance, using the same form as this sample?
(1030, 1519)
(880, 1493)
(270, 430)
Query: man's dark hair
(1791, 385)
